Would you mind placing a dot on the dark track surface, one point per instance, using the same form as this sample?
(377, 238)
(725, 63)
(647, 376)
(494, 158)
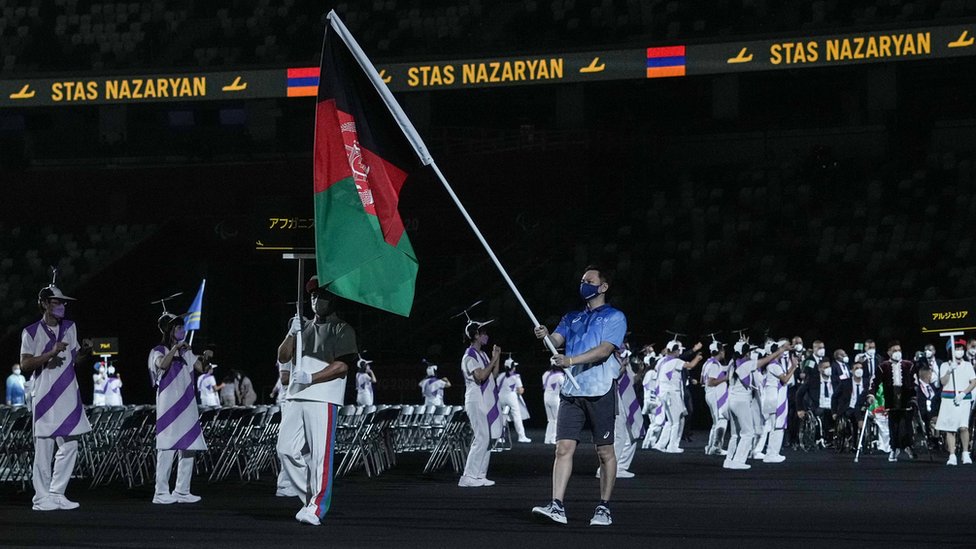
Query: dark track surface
(812, 500)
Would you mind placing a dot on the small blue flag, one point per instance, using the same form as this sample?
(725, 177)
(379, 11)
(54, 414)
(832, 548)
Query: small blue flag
(195, 313)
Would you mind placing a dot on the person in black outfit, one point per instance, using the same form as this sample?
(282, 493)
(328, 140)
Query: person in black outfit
(815, 396)
(849, 400)
(896, 378)
(927, 398)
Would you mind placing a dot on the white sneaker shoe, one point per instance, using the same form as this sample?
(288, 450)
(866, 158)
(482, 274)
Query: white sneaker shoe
(164, 499)
(524, 439)
(307, 515)
(967, 459)
(486, 482)
(64, 503)
(758, 455)
(952, 460)
(736, 465)
(551, 512)
(46, 504)
(774, 458)
(186, 498)
(471, 482)
(624, 473)
(601, 517)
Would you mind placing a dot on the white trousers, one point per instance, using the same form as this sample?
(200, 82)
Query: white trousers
(775, 436)
(744, 421)
(514, 412)
(623, 446)
(476, 466)
(306, 444)
(364, 398)
(674, 413)
(164, 470)
(716, 435)
(46, 483)
(551, 400)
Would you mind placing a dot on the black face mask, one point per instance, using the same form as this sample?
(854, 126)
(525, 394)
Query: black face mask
(322, 307)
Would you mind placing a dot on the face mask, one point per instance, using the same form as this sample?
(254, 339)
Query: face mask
(896, 356)
(928, 353)
(57, 311)
(179, 333)
(870, 351)
(858, 373)
(321, 307)
(972, 351)
(798, 347)
(825, 373)
(958, 353)
(16, 371)
(647, 360)
(820, 352)
(588, 291)
(844, 359)
(111, 370)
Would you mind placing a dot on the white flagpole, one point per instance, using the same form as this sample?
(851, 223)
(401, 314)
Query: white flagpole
(421, 149)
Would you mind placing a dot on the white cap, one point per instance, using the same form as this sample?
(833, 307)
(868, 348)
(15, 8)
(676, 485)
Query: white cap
(673, 344)
(714, 346)
(431, 370)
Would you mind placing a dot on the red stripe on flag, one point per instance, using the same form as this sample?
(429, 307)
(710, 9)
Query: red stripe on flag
(303, 72)
(329, 154)
(385, 182)
(667, 51)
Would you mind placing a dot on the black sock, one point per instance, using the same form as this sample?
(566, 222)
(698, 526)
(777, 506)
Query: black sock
(558, 503)
(604, 503)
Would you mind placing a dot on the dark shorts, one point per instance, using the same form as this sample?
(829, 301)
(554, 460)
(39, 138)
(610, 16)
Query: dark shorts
(579, 413)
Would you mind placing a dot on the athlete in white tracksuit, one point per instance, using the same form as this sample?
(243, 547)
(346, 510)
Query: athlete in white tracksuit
(552, 380)
(715, 379)
(742, 405)
(672, 395)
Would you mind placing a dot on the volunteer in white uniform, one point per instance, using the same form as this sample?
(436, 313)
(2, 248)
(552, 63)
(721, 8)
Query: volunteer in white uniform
(113, 388)
(741, 407)
(432, 387)
(552, 380)
(480, 403)
(99, 381)
(178, 430)
(958, 381)
(48, 350)
(672, 395)
(715, 379)
(629, 424)
(365, 379)
(510, 391)
(207, 387)
(774, 405)
(316, 388)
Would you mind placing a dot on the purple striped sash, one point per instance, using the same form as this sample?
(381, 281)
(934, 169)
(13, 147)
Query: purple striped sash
(176, 410)
(174, 369)
(187, 439)
(70, 422)
(63, 381)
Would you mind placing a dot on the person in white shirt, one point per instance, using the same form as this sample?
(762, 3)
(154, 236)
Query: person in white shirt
(552, 380)
(672, 394)
(113, 388)
(432, 387)
(207, 387)
(99, 381)
(741, 395)
(480, 403)
(958, 381)
(510, 391)
(778, 375)
(365, 379)
(652, 405)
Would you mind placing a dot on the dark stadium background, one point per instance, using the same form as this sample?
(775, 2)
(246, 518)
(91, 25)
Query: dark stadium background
(823, 202)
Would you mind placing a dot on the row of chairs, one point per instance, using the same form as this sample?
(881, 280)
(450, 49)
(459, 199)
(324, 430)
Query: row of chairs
(241, 441)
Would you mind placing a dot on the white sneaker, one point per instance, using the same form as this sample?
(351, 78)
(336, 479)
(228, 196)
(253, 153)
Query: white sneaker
(967, 459)
(307, 515)
(601, 517)
(674, 451)
(46, 504)
(736, 465)
(551, 512)
(774, 458)
(708, 450)
(524, 439)
(64, 503)
(952, 460)
(758, 455)
(721, 452)
(164, 499)
(471, 482)
(186, 498)
(624, 473)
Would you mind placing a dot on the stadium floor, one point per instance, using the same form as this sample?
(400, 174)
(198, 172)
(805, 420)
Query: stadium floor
(812, 500)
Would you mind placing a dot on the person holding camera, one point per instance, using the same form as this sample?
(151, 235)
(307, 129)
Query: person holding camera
(958, 381)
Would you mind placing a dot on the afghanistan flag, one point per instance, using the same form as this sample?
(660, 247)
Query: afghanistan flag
(361, 158)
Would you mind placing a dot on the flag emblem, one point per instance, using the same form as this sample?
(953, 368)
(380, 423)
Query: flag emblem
(665, 61)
